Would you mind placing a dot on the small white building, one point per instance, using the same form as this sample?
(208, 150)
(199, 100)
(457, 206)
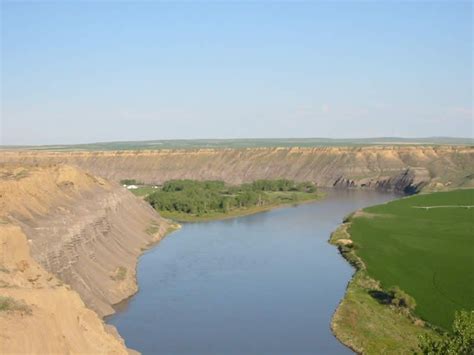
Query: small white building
(132, 187)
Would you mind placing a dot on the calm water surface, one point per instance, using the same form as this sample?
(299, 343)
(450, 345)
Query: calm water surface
(262, 284)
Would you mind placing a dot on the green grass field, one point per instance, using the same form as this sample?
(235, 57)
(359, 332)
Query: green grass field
(427, 252)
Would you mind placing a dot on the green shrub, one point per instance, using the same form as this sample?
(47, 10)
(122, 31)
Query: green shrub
(401, 298)
(152, 229)
(205, 197)
(11, 304)
(459, 342)
(282, 185)
(120, 274)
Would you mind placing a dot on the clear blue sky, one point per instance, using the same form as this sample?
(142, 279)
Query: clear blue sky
(75, 71)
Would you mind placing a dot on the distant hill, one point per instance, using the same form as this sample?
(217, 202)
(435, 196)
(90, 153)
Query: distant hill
(404, 167)
(250, 143)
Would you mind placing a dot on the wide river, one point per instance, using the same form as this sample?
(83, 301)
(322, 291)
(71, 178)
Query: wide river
(262, 284)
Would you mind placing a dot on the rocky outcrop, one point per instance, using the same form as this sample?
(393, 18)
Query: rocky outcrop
(400, 168)
(408, 181)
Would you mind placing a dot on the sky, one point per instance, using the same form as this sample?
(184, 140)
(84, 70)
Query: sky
(94, 71)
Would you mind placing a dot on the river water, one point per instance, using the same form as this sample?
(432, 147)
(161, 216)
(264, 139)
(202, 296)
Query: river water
(262, 284)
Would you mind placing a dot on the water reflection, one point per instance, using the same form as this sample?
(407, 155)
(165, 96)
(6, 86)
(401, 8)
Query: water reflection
(262, 284)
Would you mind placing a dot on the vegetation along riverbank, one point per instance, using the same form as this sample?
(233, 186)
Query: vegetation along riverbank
(191, 201)
(414, 273)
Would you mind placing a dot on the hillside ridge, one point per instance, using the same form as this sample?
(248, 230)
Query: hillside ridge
(405, 169)
(69, 246)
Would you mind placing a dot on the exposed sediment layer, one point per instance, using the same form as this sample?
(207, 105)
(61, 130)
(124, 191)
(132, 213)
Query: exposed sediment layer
(45, 315)
(397, 168)
(79, 231)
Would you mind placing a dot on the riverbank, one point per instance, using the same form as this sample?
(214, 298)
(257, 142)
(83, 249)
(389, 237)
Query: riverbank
(196, 201)
(241, 212)
(361, 321)
(69, 248)
(396, 249)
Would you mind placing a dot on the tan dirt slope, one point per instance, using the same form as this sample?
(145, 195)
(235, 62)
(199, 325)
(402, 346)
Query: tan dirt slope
(400, 168)
(61, 228)
(52, 318)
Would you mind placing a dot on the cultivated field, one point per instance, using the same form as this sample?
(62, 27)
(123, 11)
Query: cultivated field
(424, 245)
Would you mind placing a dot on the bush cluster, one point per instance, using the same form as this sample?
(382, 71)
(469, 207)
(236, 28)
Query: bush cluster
(10, 304)
(280, 185)
(202, 197)
(399, 298)
(458, 342)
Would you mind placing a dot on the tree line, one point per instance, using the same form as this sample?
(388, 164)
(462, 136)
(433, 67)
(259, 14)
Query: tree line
(203, 197)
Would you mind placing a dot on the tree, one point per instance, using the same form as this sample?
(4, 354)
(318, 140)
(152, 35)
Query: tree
(201, 197)
(459, 342)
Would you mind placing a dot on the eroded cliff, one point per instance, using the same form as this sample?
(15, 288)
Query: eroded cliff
(40, 314)
(64, 231)
(400, 168)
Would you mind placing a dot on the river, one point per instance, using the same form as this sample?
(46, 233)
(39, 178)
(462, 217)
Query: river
(261, 284)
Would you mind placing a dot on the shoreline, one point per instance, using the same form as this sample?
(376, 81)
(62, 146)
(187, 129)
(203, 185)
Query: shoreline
(180, 218)
(362, 323)
(174, 225)
(341, 239)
